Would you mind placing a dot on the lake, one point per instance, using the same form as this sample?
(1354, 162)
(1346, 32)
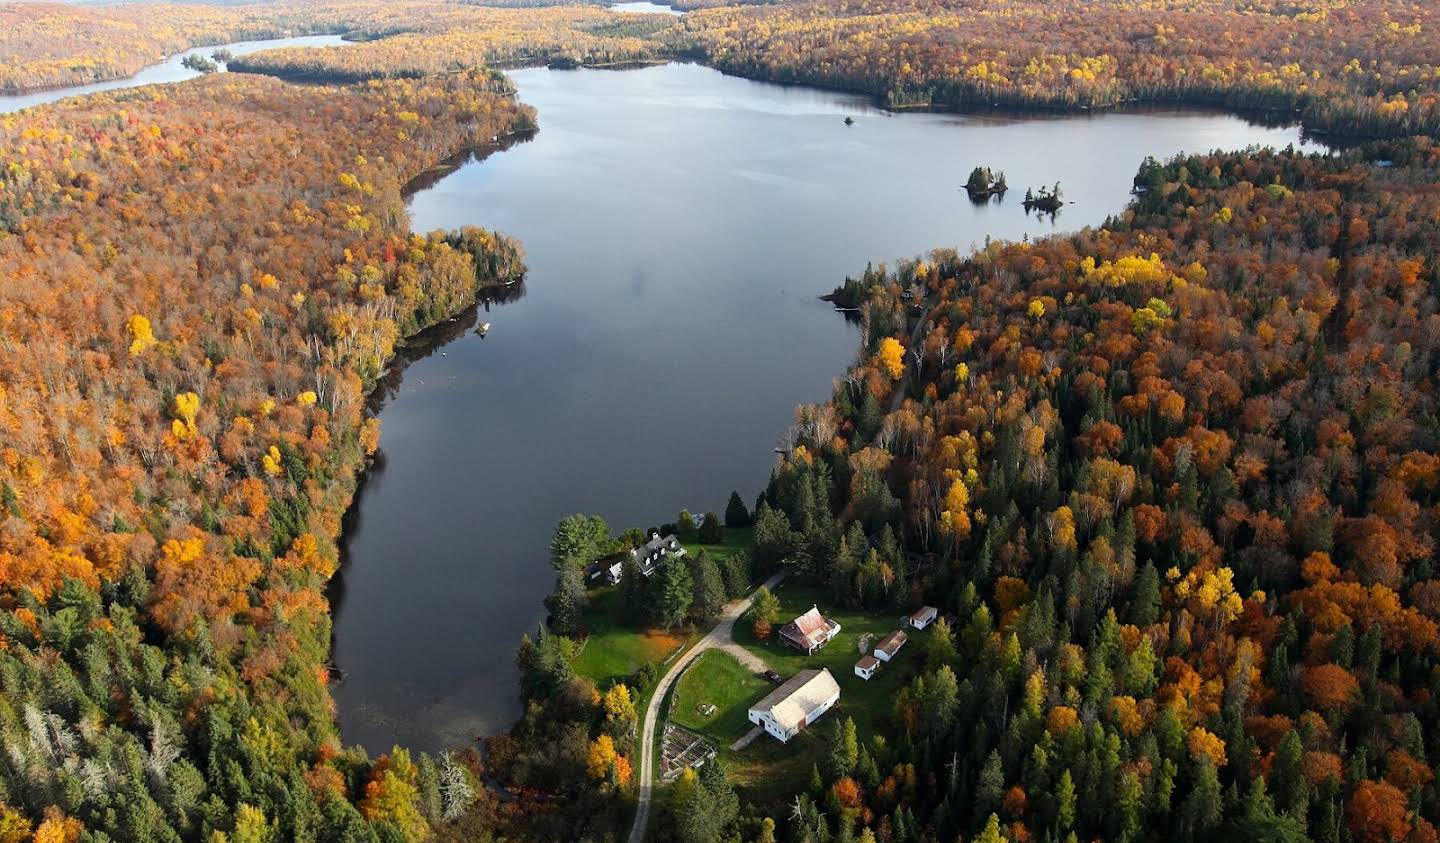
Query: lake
(679, 224)
(644, 6)
(169, 70)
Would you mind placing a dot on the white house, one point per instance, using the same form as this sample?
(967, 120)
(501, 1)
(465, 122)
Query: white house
(647, 556)
(796, 704)
(866, 667)
(890, 645)
(925, 616)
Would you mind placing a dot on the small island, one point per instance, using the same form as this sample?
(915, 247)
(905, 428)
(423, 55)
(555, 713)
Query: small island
(199, 63)
(983, 184)
(1046, 201)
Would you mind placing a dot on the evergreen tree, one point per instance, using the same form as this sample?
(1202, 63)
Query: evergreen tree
(566, 603)
(1204, 805)
(577, 540)
(709, 589)
(940, 649)
(670, 591)
(1130, 803)
(774, 539)
(711, 530)
(736, 515)
(991, 785)
(1259, 822)
(942, 695)
(632, 591)
(1291, 791)
(844, 751)
(1145, 601)
(1065, 801)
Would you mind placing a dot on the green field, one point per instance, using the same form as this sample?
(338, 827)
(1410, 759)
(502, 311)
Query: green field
(717, 679)
(737, 541)
(612, 652)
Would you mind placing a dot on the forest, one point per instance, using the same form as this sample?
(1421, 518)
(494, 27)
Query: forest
(1175, 477)
(445, 37)
(1362, 68)
(190, 332)
(46, 45)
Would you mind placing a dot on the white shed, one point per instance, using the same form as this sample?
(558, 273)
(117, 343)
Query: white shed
(925, 616)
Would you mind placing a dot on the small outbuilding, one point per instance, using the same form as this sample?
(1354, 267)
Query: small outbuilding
(866, 667)
(924, 616)
(890, 645)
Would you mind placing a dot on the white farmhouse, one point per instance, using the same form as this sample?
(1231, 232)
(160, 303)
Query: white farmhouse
(796, 704)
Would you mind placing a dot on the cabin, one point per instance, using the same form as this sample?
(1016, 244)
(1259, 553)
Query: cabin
(866, 667)
(890, 645)
(809, 632)
(924, 616)
(800, 701)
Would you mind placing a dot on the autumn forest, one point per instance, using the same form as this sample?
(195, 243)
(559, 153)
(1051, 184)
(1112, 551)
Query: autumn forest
(1173, 482)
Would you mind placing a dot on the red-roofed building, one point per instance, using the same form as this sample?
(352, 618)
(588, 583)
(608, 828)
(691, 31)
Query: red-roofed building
(809, 632)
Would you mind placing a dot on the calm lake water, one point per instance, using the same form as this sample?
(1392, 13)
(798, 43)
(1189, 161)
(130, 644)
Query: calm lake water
(645, 6)
(168, 70)
(679, 224)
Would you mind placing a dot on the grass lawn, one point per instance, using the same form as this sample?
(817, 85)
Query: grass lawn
(768, 772)
(612, 652)
(717, 679)
(737, 541)
(867, 702)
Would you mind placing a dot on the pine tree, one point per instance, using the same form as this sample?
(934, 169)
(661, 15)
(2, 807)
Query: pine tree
(942, 695)
(709, 589)
(632, 591)
(1130, 802)
(1065, 801)
(566, 603)
(991, 785)
(1145, 600)
(940, 649)
(669, 593)
(1204, 805)
(736, 515)
(844, 750)
(1291, 792)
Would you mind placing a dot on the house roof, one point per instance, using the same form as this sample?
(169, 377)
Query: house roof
(810, 627)
(925, 612)
(892, 643)
(649, 554)
(867, 663)
(790, 704)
